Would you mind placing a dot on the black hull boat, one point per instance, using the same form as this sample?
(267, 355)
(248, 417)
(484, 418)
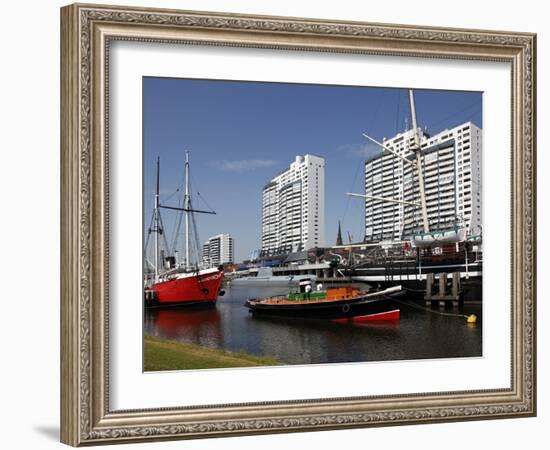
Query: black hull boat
(339, 303)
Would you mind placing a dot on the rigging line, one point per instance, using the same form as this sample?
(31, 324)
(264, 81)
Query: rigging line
(432, 125)
(205, 202)
(163, 233)
(362, 225)
(152, 186)
(393, 165)
(397, 112)
(196, 240)
(170, 196)
(177, 221)
(148, 191)
(148, 235)
(374, 115)
(471, 116)
(351, 190)
(152, 178)
(352, 147)
(375, 111)
(199, 195)
(177, 230)
(177, 226)
(191, 188)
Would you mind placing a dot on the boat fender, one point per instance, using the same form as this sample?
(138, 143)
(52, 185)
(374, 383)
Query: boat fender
(221, 293)
(345, 308)
(205, 291)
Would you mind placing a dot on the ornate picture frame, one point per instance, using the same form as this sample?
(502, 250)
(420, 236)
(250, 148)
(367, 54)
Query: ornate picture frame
(87, 32)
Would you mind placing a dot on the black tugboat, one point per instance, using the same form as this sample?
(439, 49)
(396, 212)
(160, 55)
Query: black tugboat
(341, 303)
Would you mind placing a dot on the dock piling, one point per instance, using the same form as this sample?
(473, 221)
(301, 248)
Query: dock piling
(429, 287)
(443, 295)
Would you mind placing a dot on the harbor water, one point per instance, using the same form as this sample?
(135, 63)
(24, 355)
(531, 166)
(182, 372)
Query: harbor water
(421, 333)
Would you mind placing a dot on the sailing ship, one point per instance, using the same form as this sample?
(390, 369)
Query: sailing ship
(188, 284)
(428, 250)
(400, 264)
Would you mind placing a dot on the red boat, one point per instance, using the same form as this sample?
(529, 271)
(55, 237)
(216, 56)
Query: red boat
(170, 283)
(201, 286)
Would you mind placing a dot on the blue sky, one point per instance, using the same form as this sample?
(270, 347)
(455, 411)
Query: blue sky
(241, 134)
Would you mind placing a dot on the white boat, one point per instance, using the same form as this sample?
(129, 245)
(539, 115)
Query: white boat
(439, 237)
(265, 277)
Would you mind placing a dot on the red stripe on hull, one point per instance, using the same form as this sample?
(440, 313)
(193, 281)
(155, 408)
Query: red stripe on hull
(193, 289)
(389, 315)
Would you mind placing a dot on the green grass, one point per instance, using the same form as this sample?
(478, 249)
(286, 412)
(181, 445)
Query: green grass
(160, 354)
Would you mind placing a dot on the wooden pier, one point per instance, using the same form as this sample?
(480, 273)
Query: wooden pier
(447, 290)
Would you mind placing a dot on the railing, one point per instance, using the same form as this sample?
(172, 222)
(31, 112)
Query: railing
(404, 255)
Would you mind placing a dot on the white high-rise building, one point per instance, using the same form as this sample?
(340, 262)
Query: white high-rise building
(218, 250)
(452, 179)
(293, 207)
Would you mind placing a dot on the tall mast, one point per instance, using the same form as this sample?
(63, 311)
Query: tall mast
(156, 222)
(187, 207)
(417, 150)
(418, 153)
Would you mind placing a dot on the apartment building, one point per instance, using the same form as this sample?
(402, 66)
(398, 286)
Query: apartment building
(451, 162)
(293, 207)
(218, 250)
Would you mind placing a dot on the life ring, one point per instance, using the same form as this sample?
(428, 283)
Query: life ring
(345, 308)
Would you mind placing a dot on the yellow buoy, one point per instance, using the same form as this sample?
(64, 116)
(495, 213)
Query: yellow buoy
(472, 318)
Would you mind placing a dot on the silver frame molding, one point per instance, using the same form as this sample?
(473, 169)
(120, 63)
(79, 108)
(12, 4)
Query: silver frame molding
(86, 32)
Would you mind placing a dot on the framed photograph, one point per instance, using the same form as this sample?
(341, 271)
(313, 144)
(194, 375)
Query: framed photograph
(276, 224)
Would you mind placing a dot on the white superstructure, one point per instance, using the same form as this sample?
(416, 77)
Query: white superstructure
(293, 207)
(218, 250)
(452, 177)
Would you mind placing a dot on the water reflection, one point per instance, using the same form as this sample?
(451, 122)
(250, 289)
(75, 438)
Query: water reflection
(229, 326)
(202, 326)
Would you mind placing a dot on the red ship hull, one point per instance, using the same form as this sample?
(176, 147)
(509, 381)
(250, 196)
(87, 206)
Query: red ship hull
(378, 317)
(191, 288)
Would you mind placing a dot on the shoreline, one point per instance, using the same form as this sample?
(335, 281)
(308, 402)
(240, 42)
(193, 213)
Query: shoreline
(163, 354)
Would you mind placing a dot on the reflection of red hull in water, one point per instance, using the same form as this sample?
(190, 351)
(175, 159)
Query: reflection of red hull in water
(194, 287)
(191, 325)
